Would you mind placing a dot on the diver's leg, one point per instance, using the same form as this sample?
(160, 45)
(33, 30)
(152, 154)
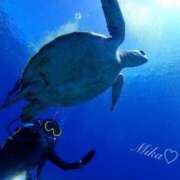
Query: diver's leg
(39, 170)
(28, 176)
(31, 111)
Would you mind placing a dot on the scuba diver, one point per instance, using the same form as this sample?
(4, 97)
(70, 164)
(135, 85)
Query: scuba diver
(30, 147)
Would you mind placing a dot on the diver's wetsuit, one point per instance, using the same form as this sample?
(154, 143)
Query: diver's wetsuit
(29, 148)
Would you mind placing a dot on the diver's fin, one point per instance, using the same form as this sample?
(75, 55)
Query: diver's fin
(114, 19)
(116, 90)
(32, 110)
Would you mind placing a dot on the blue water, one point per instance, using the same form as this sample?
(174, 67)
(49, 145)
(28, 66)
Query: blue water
(149, 108)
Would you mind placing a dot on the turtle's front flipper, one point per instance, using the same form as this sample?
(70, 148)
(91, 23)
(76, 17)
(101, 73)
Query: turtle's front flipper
(114, 19)
(116, 90)
(32, 110)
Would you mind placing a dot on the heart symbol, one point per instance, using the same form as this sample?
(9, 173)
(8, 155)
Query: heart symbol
(170, 156)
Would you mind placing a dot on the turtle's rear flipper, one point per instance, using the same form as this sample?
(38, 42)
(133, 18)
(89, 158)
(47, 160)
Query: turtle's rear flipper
(10, 100)
(11, 94)
(16, 88)
(32, 110)
(20, 91)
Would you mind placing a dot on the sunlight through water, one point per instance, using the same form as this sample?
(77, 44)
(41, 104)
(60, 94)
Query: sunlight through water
(169, 3)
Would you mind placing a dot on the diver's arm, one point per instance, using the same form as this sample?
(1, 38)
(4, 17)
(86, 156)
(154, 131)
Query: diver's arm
(70, 166)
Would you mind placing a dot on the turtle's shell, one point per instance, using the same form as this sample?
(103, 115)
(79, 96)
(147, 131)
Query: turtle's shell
(71, 69)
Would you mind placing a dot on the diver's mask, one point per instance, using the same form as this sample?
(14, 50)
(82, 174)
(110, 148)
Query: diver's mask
(51, 128)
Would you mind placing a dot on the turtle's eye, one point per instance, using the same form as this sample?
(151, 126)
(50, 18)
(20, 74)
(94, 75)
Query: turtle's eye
(142, 52)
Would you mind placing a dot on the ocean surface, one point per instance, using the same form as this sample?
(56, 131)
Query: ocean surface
(148, 112)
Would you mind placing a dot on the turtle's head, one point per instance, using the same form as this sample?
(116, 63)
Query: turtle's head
(132, 58)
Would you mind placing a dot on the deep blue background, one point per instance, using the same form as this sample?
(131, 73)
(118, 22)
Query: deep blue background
(149, 108)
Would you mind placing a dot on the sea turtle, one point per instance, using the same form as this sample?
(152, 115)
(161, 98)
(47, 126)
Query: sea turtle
(77, 67)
